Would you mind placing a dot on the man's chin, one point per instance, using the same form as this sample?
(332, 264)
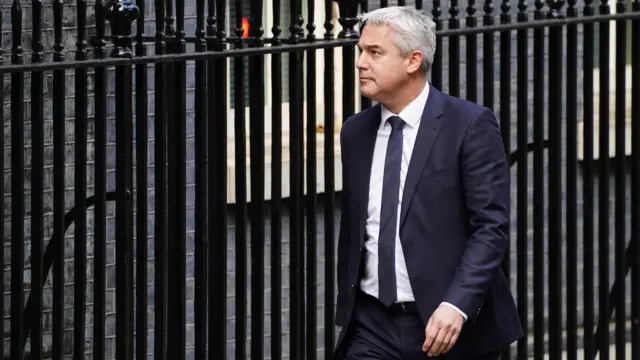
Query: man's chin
(371, 95)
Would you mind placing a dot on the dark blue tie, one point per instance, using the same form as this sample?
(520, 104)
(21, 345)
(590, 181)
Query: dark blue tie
(389, 214)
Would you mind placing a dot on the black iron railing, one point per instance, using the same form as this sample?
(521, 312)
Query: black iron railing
(224, 221)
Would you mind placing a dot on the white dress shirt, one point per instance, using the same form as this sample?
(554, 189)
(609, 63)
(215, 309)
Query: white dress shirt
(412, 115)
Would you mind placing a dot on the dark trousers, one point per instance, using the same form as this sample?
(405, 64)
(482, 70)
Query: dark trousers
(377, 333)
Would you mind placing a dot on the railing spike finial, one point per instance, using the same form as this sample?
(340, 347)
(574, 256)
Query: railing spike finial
(555, 9)
(121, 14)
(348, 18)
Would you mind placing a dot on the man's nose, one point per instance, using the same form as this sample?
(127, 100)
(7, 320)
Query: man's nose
(361, 62)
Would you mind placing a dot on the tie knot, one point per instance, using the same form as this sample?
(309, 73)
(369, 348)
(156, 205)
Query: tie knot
(396, 123)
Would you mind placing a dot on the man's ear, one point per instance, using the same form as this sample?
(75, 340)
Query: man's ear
(415, 59)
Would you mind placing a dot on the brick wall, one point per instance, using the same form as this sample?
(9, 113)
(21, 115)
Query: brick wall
(69, 22)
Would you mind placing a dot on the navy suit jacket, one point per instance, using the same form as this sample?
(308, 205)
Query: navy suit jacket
(454, 220)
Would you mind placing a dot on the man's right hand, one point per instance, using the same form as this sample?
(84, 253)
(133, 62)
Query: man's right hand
(442, 330)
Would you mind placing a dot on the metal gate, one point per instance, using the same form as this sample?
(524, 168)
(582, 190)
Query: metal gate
(170, 179)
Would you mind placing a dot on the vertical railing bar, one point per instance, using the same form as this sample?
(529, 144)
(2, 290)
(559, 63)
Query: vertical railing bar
(522, 181)
(141, 191)
(602, 339)
(59, 131)
(538, 185)
(200, 236)
(472, 53)
(571, 186)
(240, 142)
(505, 105)
(505, 86)
(177, 198)
(37, 182)
(80, 188)
(488, 57)
(635, 180)
(329, 186)
(348, 21)
(554, 213)
(505, 113)
(217, 123)
(170, 104)
(169, 20)
(296, 120)
(276, 188)
(100, 171)
(218, 254)
(160, 190)
(17, 186)
(454, 50)
(588, 321)
(620, 183)
(257, 207)
(311, 196)
(436, 67)
(121, 15)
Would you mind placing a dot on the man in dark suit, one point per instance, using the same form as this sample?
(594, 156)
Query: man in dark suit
(425, 212)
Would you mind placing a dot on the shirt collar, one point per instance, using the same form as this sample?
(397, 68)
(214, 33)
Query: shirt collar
(412, 113)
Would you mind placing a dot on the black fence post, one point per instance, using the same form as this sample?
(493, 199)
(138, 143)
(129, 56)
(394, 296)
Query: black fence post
(555, 237)
(121, 15)
(296, 179)
(258, 158)
(17, 186)
(176, 181)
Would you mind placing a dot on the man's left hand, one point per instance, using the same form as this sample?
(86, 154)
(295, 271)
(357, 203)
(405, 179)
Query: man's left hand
(442, 330)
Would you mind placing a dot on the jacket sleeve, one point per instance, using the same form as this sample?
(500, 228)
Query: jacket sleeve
(485, 178)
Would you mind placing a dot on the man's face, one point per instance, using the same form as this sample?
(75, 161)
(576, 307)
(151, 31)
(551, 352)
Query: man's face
(382, 70)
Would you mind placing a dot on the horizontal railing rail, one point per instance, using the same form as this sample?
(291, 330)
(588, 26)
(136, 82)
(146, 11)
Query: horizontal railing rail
(294, 46)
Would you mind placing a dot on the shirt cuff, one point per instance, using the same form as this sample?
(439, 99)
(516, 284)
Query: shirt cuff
(456, 309)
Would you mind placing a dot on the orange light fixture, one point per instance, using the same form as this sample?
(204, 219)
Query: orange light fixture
(245, 27)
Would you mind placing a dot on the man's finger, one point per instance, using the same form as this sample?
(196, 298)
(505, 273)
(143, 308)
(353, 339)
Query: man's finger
(430, 332)
(426, 334)
(454, 338)
(445, 343)
(438, 344)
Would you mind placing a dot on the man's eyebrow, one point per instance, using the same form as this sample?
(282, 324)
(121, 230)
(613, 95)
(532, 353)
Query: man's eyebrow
(369, 46)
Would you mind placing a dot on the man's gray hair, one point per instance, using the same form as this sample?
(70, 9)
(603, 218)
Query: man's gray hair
(414, 30)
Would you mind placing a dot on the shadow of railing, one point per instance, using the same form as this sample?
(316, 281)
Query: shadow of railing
(55, 241)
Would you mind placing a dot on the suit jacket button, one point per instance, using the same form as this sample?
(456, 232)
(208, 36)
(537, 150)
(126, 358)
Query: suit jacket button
(352, 286)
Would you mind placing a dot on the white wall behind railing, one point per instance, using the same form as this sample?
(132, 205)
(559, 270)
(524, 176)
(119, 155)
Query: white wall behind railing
(612, 100)
(320, 109)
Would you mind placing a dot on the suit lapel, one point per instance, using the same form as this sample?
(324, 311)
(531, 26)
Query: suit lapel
(362, 173)
(427, 133)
